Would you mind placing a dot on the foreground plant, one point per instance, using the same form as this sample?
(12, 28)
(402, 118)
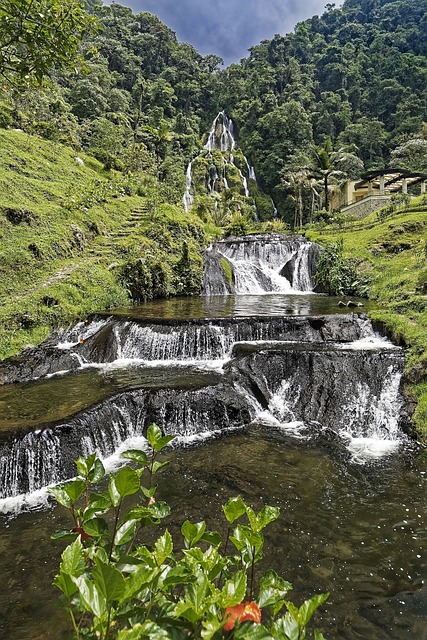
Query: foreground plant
(115, 585)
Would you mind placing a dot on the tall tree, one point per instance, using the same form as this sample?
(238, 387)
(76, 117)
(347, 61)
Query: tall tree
(37, 36)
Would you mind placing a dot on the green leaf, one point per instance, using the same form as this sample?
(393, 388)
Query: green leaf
(74, 489)
(192, 532)
(108, 580)
(158, 466)
(84, 464)
(144, 575)
(186, 610)
(318, 635)
(272, 590)
(197, 592)
(287, 628)
(155, 438)
(210, 628)
(252, 631)
(63, 534)
(67, 493)
(97, 472)
(159, 509)
(147, 630)
(137, 456)
(308, 607)
(149, 493)
(212, 537)
(163, 548)
(179, 575)
(95, 527)
(72, 558)
(126, 532)
(92, 599)
(265, 516)
(114, 492)
(90, 468)
(72, 566)
(233, 509)
(98, 503)
(245, 538)
(126, 482)
(234, 590)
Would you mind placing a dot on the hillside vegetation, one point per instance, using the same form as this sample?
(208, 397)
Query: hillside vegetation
(93, 166)
(75, 239)
(389, 254)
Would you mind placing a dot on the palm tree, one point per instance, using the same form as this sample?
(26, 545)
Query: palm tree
(329, 166)
(297, 182)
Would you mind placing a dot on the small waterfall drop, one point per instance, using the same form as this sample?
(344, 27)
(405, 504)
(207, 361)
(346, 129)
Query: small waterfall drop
(261, 264)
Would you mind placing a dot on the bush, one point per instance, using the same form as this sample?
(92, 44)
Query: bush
(115, 585)
(337, 274)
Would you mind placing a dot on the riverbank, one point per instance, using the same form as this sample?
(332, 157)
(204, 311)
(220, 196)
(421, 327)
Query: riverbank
(391, 251)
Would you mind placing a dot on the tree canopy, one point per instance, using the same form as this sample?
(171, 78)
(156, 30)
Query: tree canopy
(37, 36)
(356, 75)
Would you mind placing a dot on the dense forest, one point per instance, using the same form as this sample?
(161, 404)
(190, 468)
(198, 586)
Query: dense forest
(354, 78)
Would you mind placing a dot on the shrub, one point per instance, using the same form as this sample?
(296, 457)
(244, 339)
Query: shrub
(115, 585)
(337, 274)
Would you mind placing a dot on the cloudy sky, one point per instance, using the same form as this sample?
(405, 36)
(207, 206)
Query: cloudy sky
(229, 27)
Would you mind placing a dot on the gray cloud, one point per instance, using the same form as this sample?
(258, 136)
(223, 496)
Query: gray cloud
(228, 27)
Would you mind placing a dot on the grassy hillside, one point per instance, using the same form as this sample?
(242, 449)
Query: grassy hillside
(391, 252)
(75, 239)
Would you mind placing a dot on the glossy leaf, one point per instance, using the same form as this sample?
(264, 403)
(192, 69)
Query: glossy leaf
(252, 631)
(234, 590)
(234, 509)
(156, 439)
(92, 599)
(259, 521)
(192, 532)
(108, 580)
(137, 456)
(126, 482)
(95, 527)
(272, 590)
(126, 532)
(163, 548)
(72, 566)
(147, 630)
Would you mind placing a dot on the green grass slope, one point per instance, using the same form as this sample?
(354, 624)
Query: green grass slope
(75, 239)
(392, 256)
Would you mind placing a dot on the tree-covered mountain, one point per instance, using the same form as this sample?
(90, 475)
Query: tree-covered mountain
(356, 75)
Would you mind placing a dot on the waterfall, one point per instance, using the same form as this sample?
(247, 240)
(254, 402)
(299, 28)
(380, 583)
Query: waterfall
(259, 264)
(188, 196)
(310, 376)
(220, 138)
(221, 134)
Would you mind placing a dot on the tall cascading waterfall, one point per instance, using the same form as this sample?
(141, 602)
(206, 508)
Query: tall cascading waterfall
(254, 265)
(325, 377)
(220, 138)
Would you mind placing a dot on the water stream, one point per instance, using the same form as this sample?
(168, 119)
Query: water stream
(277, 394)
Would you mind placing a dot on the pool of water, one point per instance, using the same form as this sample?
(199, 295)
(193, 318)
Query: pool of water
(236, 306)
(358, 531)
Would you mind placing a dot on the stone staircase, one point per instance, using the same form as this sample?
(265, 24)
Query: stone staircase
(105, 246)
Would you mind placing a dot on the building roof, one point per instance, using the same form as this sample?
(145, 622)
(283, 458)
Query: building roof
(393, 178)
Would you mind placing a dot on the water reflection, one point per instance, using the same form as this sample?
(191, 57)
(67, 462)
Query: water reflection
(268, 304)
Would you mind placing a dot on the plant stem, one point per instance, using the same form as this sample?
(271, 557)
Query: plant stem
(251, 592)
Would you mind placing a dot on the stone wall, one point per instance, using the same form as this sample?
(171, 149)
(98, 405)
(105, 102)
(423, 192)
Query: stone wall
(366, 206)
